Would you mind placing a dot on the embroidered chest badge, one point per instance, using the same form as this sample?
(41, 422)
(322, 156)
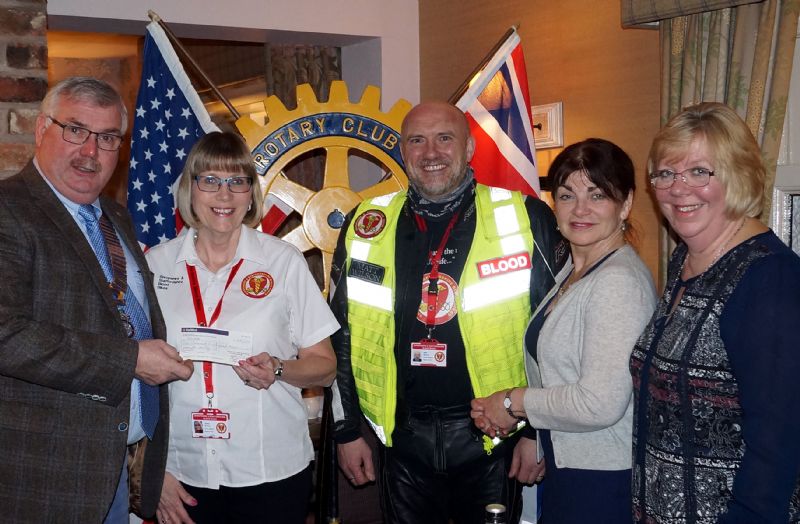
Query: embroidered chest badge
(370, 223)
(258, 284)
(445, 302)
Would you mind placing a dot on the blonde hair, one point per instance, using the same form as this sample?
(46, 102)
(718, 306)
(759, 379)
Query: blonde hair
(735, 154)
(219, 151)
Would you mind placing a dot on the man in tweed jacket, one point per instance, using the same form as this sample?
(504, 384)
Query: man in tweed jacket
(66, 362)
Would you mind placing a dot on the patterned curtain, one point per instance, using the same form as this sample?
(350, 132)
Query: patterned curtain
(741, 56)
(646, 11)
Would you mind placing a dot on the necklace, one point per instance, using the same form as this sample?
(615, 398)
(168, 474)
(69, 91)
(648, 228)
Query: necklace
(576, 276)
(563, 289)
(722, 249)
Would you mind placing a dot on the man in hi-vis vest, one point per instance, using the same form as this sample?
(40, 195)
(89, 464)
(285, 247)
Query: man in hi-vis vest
(434, 289)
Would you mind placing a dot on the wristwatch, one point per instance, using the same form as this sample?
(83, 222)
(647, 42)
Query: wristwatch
(279, 369)
(507, 405)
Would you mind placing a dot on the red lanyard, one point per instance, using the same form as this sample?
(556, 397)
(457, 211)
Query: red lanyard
(197, 297)
(200, 313)
(433, 277)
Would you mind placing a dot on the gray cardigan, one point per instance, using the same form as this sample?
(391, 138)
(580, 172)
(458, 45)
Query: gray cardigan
(581, 388)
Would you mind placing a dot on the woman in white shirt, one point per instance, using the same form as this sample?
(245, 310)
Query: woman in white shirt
(244, 306)
(579, 343)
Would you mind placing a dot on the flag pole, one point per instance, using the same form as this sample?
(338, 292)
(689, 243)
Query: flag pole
(465, 84)
(177, 43)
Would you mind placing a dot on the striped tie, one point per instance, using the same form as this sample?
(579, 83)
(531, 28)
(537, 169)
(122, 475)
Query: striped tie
(105, 242)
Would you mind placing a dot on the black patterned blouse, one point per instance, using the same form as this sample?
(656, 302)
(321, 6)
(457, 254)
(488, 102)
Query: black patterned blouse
(717, 392)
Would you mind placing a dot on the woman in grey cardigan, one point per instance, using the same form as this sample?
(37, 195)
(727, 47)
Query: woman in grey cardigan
(579, 343)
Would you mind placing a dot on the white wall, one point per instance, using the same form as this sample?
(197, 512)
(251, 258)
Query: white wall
(379, 38)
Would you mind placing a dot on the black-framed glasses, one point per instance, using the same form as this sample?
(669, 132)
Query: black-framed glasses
(211, 184)
(692, 177)
(79, 135)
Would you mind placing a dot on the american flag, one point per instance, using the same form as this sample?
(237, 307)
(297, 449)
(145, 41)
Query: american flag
(168, 120)
(498, 108)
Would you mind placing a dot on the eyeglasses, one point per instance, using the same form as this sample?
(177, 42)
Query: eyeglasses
(79, 135)
(211, 184)
(692, 177)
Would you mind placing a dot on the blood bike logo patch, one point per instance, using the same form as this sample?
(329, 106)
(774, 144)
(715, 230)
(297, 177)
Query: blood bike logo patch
(370, 223)
(258, 284)
(445, 300)
(507, 264)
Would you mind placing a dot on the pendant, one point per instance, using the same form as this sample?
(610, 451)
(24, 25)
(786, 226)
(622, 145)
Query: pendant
(126, 322)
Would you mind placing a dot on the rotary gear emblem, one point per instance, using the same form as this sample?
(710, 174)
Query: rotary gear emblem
(337, 127)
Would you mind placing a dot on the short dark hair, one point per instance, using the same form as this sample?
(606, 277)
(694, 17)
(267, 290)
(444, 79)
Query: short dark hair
(603, 162)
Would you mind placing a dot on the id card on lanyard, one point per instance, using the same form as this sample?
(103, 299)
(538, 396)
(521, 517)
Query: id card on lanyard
(429, 352)
(209, 422)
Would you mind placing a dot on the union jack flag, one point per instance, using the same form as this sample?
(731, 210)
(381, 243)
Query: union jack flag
(168, 120)
(498, 108)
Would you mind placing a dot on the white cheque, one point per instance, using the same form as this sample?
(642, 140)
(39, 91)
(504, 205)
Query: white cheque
(215, 345)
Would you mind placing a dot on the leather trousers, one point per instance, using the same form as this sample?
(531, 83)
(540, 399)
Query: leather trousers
(437, 470)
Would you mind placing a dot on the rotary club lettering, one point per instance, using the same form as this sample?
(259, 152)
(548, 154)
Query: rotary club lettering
(374, 131)
(507, 264)
(257, 285)
(325, 124)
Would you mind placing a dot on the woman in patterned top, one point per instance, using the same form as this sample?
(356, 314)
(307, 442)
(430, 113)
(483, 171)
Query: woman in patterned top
(717, 371)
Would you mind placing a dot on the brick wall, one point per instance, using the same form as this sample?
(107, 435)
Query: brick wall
(23, 78)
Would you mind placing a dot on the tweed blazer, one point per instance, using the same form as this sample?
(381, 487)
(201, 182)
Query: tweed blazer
(66, 365)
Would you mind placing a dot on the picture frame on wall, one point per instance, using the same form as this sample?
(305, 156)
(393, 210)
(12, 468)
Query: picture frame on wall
(548, 125)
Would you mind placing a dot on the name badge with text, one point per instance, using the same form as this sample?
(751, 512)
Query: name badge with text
(429, 353)
(210, 423)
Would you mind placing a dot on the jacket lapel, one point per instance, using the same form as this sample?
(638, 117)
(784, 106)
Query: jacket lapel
(51, 207)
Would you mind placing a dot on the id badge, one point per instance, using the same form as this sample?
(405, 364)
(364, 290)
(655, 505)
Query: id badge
(429, 353)
(210, 423)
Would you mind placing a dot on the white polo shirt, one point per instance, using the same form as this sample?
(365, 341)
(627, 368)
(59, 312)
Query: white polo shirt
(269, 429)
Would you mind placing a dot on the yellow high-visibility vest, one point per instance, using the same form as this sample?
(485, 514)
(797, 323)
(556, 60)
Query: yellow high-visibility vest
(492, 302)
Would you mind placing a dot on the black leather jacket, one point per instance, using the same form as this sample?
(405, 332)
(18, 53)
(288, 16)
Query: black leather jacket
(550, 254)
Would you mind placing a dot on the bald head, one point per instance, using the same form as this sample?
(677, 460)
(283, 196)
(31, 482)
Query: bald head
(436, 148)
(438, 109)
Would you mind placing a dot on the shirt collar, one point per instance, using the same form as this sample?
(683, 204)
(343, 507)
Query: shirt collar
(71, 206)
(249, 248)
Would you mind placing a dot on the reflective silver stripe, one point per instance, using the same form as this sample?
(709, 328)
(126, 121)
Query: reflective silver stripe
(513, 244)
(505, 217)
(496, 289)
(359, 250)
(383, 200)
(521, 424)
(370, 294)
(498, 194)
(381, 434)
